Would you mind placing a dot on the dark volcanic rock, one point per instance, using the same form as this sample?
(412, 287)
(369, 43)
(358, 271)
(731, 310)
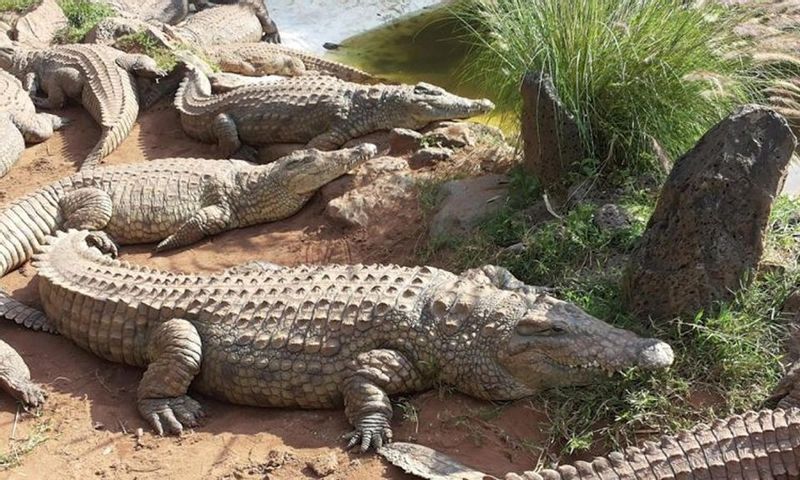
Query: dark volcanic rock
(708, 228)
(551, 139)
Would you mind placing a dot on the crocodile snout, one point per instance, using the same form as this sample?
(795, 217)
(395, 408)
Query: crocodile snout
(656, 356)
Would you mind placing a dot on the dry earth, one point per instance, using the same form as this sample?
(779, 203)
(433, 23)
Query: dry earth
(88, 428)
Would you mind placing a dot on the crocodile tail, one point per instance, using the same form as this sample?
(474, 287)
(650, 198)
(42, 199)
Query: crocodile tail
(22, 314)
(11, 146)
(756, 445)
(195, 87)
(111, 137)
(24, 224)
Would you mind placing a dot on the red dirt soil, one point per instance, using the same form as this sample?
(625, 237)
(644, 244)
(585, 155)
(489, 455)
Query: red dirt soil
(89, 423)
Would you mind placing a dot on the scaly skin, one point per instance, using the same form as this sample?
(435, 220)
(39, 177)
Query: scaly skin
(241, 22)
(15, 378)
(757, 445)
(175, 201)
(101, 77)
(323, 336)
(323, 112)
(19, 122)
(259, 59)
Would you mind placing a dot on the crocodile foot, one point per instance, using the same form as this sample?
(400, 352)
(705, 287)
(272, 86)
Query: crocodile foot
(371, 431)
(29, 394)
(103, 242)
(171, 414)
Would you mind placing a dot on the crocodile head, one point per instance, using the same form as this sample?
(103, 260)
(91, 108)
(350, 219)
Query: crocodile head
(525, 343)
(423, 103)
(305, 171)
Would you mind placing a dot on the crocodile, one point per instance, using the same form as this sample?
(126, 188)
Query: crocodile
(323, 336)
(176, 201)
(258, 59)
(101, 77)
(240, 22)
(15, 378)
(322, 112)
(752, 446)
(19, 122)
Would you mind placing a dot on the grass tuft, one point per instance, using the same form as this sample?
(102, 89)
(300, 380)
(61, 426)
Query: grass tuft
(20, 448)
(142, 42)
(82, 16)
(16, 5)
(629, 71)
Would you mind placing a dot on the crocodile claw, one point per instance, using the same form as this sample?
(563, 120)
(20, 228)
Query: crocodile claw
(30, 395)
(171, 414)
(372, 431)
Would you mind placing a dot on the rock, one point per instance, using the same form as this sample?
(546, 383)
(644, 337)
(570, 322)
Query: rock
(364, 205)
(611, 218)
(551, 140)
(38, 28)
(707, 230)
(467, 202)
(450, 135)
(324, 465)
(427, 157)
(791, 306)
(403, 141)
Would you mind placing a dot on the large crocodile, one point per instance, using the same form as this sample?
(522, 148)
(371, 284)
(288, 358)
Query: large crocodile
(257, 59)
(15, 378)
(322, 336)
(240, 22)
(19, 122)
(177, 201)
(101, 77)
(323, 112)
(754, 446)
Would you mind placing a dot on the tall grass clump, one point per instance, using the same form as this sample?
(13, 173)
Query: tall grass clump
(630, 71)
(15, 5)
(82, 16)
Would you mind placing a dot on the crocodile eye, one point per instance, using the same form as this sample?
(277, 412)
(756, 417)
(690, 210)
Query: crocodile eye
(541, 329)
(425, 90)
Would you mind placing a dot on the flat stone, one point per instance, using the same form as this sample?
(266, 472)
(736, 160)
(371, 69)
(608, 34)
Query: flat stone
(427, 157)
(403, 141)
(467, 202)
(38, 28)
(551, 140)
(361, 206)
(324, 465)
(707, 230)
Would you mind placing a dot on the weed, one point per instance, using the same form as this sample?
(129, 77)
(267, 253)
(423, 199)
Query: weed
(82, 16)
(16, 5)
(20, 448)
(142, 42)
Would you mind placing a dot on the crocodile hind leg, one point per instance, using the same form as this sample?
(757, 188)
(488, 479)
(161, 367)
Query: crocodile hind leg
(376, 375)
(15, 378)
(86, 209)
(224, 129)
(174, 352)
(58, 84)
(207, 221)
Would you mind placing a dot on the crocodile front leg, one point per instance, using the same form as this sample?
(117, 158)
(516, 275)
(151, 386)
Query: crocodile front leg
(502, 279)
(39, 127)
(86, 209)
(207, 221)
(330, 140)
(174, 352)
(15, 378)
(376, 375)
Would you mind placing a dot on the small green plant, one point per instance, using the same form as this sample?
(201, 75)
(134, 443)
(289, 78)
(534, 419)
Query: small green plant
(82, 16)
(16, 5)
(19, 448)
(628, 70)
(142, 42)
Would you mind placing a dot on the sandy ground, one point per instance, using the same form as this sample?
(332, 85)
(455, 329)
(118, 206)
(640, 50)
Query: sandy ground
(88, 427)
